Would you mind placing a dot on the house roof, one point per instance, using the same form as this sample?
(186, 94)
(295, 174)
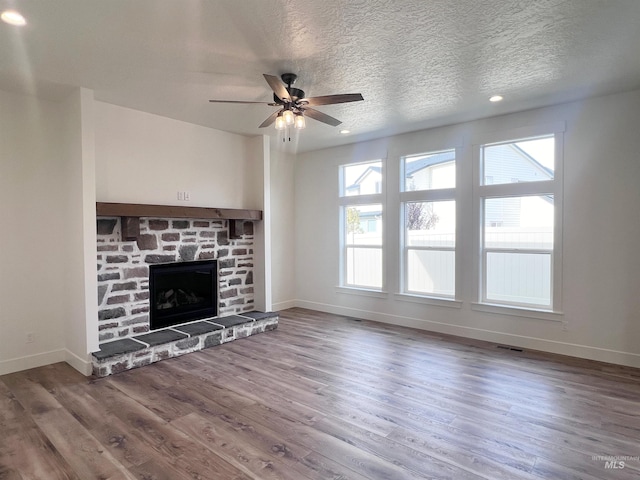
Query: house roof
(544, 169)
(417, 165)
(363, 175)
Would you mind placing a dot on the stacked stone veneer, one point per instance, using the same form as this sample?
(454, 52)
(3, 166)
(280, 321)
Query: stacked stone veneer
(123, 268)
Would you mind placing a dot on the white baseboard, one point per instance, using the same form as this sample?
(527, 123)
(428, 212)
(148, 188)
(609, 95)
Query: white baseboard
(532, 343)
(47, 358)
(283, 305)
(83, 365)
(31, 361)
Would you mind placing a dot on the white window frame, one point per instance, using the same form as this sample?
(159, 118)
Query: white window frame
(547, 187)
(354, 201)
(428, 195)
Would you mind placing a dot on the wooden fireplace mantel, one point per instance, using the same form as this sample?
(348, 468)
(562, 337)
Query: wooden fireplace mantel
(174, 211)
(131, 213)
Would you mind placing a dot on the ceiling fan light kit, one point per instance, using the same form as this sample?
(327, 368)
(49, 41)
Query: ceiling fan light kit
(280, 125)
(288, 117)
(294, 106)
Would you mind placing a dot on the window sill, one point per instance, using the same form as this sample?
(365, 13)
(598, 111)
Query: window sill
(362, 292)
(439, 301)
(518, 312)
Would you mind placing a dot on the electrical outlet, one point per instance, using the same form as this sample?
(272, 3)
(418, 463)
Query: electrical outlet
(31, 337)
(180, 195)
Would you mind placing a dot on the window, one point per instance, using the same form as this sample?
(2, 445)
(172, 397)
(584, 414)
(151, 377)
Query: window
(363, 246)
(517, 195)
(517, 254)
(361, 225)
(484, 228)
(430, 247)
(429, 224)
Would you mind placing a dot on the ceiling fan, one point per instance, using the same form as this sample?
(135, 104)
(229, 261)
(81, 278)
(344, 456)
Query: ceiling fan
(294, 105)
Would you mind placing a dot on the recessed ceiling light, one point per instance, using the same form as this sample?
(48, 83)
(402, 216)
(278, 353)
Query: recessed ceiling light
(344, 132)
(496, 98)
(13, 18)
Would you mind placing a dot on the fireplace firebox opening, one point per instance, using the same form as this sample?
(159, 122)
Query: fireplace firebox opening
(182, 292)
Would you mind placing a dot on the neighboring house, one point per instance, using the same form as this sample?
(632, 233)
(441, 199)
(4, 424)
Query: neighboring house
(431, 171)
(369, 182)
(503, 164)
(511, 164)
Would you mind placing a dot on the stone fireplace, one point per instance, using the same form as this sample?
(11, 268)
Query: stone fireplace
(132, 249)
(123, 267)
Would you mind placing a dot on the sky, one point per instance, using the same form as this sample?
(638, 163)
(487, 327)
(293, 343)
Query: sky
(542, 150)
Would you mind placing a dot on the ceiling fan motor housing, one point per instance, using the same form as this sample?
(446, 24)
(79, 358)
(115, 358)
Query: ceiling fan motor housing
(295, 94)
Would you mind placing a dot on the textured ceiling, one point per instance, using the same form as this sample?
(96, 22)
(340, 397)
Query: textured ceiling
(418, 63)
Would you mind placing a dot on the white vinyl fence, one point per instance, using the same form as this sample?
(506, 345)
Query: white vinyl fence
(517, 264)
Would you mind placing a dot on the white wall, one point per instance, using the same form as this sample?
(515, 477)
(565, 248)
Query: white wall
(145, 158)
(258, 164)
(34, 186)
(601, 285)
(81, 323)
(282, 229)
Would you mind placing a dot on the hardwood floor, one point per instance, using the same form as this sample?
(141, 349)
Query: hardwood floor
(327, 397)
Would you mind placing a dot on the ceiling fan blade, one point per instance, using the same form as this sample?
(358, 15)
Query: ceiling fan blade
(238, 101)
(321, 117)
(333, 99)
(270, 119)
(278, 87)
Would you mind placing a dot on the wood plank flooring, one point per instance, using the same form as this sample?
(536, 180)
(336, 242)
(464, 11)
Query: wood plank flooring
(327, 397)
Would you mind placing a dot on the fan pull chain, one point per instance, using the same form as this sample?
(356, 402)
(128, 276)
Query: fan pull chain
(286, 133)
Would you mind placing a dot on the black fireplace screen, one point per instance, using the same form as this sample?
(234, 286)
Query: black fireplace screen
(182, 292)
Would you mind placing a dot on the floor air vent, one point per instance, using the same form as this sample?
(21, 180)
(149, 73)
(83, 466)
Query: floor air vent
(513, 349)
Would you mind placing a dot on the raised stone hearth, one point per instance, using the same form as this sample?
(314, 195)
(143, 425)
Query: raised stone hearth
(127, 353)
